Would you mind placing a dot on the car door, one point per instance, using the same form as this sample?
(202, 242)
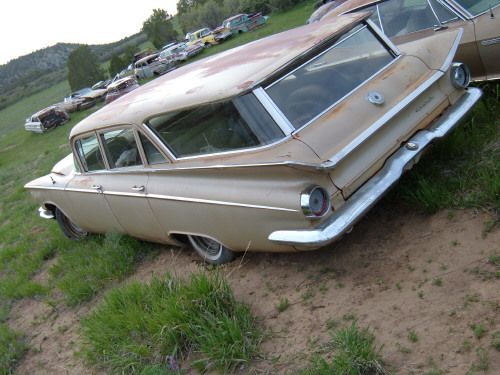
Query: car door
(125, 187)
(488, 39)
(87, 206)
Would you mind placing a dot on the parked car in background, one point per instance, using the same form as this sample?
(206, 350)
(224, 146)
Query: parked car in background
(406, 20)
(203, 36)
(121, 87)
(282, 144)
(181, 52)
(46, 119)
(101, 84)
(242, 23)
(221, 34)
(142, 54)
(78, 101)
(151, 66)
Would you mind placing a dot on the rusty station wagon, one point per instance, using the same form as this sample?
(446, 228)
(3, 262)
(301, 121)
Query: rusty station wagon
(406, 20)
(282, 144)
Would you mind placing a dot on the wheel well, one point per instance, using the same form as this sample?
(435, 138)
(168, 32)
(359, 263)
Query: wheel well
(51, 208)
(182, 238)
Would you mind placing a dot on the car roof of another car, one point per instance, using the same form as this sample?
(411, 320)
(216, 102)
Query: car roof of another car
(148, 57)
(118, 82)
(218, 77)
(44, 111)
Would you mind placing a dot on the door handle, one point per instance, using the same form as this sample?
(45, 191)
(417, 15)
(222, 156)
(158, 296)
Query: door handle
(138, 188)
(97, 187)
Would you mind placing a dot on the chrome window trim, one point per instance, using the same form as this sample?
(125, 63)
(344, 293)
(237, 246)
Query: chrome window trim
(380, 19)
(461, 10)
(380, 33)
(435, 14)
(459, 16)
(341, 40)
(273, 110)
(451, 55)
(158, 141)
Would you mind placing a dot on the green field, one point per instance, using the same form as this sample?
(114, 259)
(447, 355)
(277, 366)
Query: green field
(463, 171)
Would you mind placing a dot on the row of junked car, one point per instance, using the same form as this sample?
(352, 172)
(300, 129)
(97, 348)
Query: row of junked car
(59, 113)
(282, 144)
(146, 64)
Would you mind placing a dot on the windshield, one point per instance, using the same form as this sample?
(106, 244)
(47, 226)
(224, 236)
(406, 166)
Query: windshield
(476, 7)
(312, 88)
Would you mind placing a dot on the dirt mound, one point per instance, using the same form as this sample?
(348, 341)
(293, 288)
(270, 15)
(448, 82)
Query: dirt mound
(420, 282)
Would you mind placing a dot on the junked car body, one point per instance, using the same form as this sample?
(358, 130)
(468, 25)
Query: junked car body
(405, 20)
(151, 66)
(282, 144)
(203, 36)
(46, 119)
(242, 23)
(181, 52)
(121, 87)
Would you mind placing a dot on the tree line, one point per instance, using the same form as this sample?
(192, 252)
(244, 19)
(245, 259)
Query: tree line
(83, 65)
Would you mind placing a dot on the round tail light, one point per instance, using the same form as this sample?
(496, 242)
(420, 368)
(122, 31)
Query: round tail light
(314, 202)
(460, 75)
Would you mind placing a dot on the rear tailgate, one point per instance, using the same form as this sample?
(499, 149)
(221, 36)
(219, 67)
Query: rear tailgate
(355, 137)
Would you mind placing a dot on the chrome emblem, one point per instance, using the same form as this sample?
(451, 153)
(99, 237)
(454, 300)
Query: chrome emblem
(375, 97)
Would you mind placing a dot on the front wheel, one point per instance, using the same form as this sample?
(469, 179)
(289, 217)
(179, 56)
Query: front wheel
(211, 251)
(70, 229)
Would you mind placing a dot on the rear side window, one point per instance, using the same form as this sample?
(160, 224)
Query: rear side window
(89, 153)
(315, 86)
(121, 148)
(217, 127)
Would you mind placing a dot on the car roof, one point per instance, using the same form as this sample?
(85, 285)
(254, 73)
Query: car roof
(120, 81)
(44, 111)
(146, 58)
(217, 77)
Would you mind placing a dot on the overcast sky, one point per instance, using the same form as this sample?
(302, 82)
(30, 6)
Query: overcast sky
(29, 25)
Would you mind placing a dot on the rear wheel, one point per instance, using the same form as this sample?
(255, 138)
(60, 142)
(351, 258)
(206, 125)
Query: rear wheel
(70, 229)
(211, 251)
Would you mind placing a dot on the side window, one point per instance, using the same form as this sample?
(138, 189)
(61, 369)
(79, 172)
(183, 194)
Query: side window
(89, 153)
(444, 14)
(121, 148)
(401, 17)
(152, 154)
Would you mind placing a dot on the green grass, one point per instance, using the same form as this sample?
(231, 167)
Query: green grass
(354, 353)
(464, 169)
(12, 348)
(141, 325)
(87, 267)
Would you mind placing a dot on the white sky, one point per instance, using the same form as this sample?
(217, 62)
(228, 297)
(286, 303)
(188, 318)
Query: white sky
(29, 25)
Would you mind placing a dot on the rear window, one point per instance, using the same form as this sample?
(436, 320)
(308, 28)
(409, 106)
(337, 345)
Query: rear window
(217, 127)
(317, 85)
(476, 7)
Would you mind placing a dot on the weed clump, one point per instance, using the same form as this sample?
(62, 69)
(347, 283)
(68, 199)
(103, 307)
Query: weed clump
(141, 326)
(354, 352)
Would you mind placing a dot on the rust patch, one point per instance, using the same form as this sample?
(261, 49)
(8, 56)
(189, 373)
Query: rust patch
(246, 85)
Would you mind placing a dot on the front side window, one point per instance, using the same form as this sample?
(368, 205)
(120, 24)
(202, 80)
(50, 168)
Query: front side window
(87, 149)
(217, 127)
(121, 148)
(476, 7)
(317, 85)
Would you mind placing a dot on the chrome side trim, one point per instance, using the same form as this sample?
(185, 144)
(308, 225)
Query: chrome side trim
(273, 110)
(490, 42)
(171, 198)
(372, 129)
(45, 214)
(453, 51)
(222, 203)
(372, 191)
(41, 187)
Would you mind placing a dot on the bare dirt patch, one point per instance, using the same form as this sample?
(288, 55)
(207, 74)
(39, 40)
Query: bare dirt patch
(420, 282)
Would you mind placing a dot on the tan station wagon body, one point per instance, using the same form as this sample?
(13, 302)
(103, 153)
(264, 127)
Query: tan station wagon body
(407, 20)
(278, 145)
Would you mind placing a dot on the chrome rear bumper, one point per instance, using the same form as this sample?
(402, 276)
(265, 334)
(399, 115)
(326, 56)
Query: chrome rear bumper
(373, 190)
